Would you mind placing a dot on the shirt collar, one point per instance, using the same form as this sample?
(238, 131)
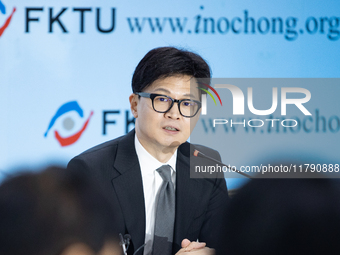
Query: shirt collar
(146, 159)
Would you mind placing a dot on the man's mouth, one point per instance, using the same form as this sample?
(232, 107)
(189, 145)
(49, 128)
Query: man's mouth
(171, 128)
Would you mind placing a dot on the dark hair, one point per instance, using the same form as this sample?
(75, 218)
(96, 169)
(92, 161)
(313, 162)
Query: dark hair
(43, 213)
(168, 61)
(284, 216)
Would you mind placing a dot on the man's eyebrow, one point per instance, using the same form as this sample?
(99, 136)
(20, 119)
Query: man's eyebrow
(164, 90)
(189, 95)
(167, 91)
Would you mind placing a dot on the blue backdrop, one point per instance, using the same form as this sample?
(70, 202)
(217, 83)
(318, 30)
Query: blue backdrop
(66, 66)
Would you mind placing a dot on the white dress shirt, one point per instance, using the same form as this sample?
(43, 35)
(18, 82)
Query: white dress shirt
(152, 182)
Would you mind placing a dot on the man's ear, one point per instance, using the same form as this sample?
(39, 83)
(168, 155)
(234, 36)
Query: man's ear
(133, 98)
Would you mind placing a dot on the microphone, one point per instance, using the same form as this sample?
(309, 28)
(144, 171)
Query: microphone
(189, 150)
(124, 242)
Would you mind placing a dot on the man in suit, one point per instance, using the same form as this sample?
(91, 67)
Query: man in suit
(132, 168)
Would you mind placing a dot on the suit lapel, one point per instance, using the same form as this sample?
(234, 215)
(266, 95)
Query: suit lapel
(186, 198)
(128, 185)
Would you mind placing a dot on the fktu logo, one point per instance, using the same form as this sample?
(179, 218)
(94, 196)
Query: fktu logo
(56, 17)
(68, 123)
(7, 20)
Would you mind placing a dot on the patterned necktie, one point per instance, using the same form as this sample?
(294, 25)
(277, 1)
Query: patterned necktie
(165, 214)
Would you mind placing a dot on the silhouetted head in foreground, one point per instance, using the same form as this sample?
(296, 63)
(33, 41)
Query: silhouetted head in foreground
(285, 216)
(53, 212)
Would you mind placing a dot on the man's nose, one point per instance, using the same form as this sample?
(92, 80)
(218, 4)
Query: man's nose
(173, 113)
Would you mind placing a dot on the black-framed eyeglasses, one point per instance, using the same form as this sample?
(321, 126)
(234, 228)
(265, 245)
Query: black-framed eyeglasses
(161, 103)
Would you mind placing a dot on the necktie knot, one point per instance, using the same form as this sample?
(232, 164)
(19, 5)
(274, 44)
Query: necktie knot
(165, 172)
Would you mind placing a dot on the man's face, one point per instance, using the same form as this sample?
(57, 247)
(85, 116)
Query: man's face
(152, 128)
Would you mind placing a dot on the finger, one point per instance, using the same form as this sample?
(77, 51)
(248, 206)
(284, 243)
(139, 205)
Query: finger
(202, 251)
(185, 243)
(195, 246)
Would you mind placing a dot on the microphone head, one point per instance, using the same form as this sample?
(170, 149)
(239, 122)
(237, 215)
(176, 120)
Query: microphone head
(127, 238)
(187, 149)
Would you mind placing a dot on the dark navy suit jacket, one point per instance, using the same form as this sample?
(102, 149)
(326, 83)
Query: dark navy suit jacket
(200, 203)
